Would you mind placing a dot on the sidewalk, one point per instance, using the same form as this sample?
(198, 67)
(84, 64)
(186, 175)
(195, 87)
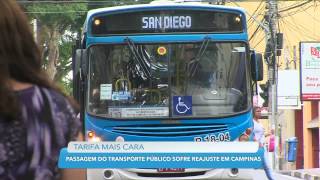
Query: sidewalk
(309, 174)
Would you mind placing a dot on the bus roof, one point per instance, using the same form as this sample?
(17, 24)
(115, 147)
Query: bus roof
(155, 6)
(142, 6)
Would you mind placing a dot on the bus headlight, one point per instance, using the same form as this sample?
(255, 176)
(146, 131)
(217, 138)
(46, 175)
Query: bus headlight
(92, 137)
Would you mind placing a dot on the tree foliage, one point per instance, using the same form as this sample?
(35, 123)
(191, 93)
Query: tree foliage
(103, 3)
(59, 25)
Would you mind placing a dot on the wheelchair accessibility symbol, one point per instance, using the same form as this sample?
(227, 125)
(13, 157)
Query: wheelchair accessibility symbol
(182, 105)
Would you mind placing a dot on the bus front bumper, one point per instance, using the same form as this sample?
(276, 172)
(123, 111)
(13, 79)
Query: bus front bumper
(152, 174)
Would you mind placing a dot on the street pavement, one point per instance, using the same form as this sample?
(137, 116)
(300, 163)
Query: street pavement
(260, 175)
(310, 174)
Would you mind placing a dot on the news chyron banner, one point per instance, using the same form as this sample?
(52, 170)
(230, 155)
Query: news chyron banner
(161, 154)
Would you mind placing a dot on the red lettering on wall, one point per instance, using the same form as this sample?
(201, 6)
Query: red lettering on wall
(315, 52)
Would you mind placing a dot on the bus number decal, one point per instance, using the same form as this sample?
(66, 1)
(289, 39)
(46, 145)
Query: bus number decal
(214, 138)
(166, 22)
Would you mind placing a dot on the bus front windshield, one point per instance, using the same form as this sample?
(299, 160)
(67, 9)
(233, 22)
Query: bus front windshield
(175, 80)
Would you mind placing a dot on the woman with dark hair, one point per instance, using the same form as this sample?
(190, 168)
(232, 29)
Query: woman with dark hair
(36, 120)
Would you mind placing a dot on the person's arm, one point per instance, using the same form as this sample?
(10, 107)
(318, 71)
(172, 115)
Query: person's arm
(78, 174)
(267, 134)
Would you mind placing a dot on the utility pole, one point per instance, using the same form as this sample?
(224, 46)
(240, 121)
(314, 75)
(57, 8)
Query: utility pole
(271, 17)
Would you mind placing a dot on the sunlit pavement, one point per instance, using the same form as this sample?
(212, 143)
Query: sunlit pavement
(310, 174)
(260, 175)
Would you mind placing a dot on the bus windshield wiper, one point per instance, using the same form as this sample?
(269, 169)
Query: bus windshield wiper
(137, 57)
(194, 64)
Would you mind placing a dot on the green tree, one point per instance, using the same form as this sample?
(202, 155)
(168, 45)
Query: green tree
(59, 25)
(93, 4)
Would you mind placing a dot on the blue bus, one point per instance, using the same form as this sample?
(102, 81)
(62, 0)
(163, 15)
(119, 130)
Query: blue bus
(166, 72)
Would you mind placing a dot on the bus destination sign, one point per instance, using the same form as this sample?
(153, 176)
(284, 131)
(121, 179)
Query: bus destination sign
(167, 21)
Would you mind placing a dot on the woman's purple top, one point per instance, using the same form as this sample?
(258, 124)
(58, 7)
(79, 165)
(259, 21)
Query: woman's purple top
(30, 145)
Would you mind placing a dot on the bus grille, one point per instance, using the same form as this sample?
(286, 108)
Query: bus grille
(170, 130)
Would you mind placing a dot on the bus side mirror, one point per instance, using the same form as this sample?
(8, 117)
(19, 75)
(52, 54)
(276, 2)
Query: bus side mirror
(81, 62)
(79, 67)
(256, 66)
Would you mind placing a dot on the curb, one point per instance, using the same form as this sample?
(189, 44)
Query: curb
(286, 172)
(297, 174)
(305, 175)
